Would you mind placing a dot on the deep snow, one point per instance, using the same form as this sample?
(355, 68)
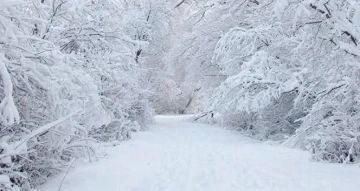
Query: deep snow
(176, 155)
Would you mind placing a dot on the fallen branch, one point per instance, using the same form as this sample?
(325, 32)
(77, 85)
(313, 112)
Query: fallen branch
(178, 5)
(202, 115)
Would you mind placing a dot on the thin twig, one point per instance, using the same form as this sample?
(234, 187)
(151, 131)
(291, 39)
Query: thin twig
(67, 171)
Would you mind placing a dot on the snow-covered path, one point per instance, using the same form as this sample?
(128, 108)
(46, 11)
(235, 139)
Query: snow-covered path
(175, 155)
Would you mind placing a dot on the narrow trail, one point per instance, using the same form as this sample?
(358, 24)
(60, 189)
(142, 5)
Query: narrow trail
(175, 155)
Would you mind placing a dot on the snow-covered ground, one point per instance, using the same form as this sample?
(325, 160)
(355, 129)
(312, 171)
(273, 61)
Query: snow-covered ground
(176, 155)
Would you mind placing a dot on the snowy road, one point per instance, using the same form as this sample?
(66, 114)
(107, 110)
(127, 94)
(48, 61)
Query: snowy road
(175, 155)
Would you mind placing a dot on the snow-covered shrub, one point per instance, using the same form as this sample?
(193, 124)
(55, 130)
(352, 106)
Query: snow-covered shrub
(333, 136)
(241, 121)
(276, 121)
(330, 129)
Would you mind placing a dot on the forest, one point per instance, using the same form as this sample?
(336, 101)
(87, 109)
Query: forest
(78, 73)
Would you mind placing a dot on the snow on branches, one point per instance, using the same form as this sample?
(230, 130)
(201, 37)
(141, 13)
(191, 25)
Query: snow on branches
(8, 111)
(291, 69)
(69, 78)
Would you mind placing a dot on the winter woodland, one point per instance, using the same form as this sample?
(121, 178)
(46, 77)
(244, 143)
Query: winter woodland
(78, 73)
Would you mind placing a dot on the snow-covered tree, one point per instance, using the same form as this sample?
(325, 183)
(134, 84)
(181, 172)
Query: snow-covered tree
(290, 69)
(69, 78)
